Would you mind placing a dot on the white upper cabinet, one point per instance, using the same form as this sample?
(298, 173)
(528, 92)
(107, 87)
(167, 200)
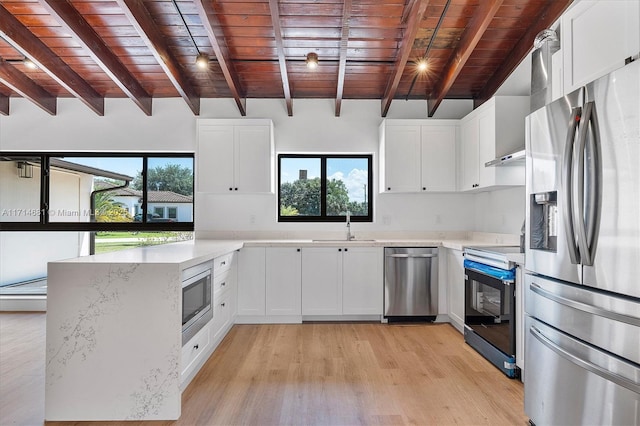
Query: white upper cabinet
(235, 156)
(469, 159)
(596, 38)
(493, 130)
(439, 158)
(401, 158)
(418, 155)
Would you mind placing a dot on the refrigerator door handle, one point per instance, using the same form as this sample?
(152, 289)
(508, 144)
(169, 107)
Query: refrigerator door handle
(588, 238)
(567, 185)
(596, 369)
(585, 307)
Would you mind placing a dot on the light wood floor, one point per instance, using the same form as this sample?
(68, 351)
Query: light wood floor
(309, 374)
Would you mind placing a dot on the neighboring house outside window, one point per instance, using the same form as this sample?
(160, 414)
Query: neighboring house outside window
(163, 204)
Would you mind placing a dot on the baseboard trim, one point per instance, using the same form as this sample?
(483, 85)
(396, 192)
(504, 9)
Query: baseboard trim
(23, 303)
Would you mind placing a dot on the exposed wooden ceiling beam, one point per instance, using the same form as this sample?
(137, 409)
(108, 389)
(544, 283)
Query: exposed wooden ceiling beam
(4, 105)
(20, 83)
(547, 17)
(413, 24)
(31, 46)
(211, 23)
(147, 29)
(74, 23)
(275, 18)
(481, 19)
(344, 41)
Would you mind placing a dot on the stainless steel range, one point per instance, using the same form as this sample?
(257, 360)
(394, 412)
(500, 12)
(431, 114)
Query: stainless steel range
(489, 311)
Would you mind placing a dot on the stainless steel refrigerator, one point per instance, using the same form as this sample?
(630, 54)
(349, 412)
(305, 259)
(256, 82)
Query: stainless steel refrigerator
(582, 255)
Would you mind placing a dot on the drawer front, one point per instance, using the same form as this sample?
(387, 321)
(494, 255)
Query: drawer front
(222, 314)
(221, 282)
(222, 264)
(194, 349)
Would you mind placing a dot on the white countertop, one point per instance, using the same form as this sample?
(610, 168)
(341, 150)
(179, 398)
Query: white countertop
(189, 253)
(184, 254)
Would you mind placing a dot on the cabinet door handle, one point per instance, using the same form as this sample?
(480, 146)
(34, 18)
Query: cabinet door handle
(196, 346)
(222, 304)
(223, 284)
(389, 189)
(235, 189)
(298, 250)
(339, 249)
(346, 249)
(224, 262)
(230, 189)
(424, 188)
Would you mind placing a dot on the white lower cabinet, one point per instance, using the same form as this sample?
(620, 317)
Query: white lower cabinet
(224, 307)
(224, 301)
(195, 350)
(321, 281)
(455, 293)
(342, 281)
(362, 281)
(283, 286)
(251, 281)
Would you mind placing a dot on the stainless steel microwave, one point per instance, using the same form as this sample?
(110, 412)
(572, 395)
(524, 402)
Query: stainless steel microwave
(197, 305)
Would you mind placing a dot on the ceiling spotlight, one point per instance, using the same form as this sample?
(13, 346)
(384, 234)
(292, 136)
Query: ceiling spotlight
(29, 64)
(202, 61)
(422, 65)
(312, 60)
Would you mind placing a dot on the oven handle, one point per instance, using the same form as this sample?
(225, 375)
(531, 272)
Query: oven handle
(596, 369)
(505, 282)
(585, 307)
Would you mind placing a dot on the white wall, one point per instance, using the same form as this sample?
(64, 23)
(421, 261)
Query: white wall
(24, 255)
(500, 211)
(313, 128)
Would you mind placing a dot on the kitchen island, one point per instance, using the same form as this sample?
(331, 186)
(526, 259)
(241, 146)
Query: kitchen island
(114, 341)
(114, 332)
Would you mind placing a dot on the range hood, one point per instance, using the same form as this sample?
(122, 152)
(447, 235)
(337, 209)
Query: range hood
(513, 159)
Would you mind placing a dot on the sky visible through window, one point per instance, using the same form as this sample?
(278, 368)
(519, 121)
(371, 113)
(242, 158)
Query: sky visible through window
(352, 171)
(129, 166)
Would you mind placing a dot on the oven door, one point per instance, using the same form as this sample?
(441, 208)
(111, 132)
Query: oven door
(489, 310)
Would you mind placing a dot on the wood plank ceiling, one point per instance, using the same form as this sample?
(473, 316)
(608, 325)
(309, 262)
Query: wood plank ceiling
(367, 49)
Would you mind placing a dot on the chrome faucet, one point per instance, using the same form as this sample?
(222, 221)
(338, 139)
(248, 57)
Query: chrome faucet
(349, 236)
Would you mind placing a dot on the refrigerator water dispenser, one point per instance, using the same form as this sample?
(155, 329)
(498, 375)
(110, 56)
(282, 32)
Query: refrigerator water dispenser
(544, 221)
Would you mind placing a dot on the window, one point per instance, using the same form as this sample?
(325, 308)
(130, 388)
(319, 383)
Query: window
(96, 192)
(322, 188)
(91, 203)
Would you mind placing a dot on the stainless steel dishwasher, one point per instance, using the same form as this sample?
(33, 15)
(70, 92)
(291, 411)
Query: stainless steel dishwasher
(410, 283)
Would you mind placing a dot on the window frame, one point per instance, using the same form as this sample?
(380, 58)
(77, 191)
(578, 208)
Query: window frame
(44, 224)
(323, 188)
